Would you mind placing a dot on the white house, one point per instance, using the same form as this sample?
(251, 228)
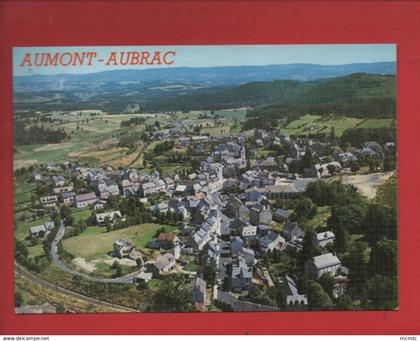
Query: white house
(322, 239)
(113, 216)
(48, 201)
(317, 266)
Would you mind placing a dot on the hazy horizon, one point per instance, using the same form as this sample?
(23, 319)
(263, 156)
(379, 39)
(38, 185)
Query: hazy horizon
(215, 56)
(191, 67)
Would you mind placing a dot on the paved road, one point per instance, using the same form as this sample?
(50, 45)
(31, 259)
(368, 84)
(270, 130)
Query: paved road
(59, 263)
(25, 273)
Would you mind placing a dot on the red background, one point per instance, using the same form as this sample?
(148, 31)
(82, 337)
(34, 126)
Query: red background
(49, 23)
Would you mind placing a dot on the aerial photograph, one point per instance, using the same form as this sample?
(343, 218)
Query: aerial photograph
(217, 178)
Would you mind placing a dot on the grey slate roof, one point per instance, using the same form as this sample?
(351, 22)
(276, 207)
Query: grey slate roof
(85, 197)
(325, 260)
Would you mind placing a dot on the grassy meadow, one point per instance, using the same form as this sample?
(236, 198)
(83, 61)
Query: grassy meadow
(95, 242)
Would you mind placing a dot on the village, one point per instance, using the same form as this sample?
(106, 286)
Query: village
(240, 229)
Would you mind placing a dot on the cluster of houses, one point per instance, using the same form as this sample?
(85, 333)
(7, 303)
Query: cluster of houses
(333, 157)
(227, 208)
(236, 230)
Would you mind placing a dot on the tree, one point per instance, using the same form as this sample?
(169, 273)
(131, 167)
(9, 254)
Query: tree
(107, 223)
(65, 213)
(296, 166)
(21, 251)
(81, 224)
(342, 238)
(317, 298)
(332, 169)
(383, 292)
(358, 270)
(380, 221)
(390, 161)
(373, 164)
(57, 221)
(332, 135)
(349, 217)
(384, 258)
(307, 159)
(309, 248)
(172, 295)
(258, 295)
(354, 166)
(318, 192)
(304, 209)
(327, 283)
(334, 193)
(60, 308)
(18, 299)
(344, 302)
(209, 274)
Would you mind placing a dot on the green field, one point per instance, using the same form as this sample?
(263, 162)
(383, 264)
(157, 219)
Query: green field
(32, 154)
(23, 194)
(91, 133)
(22, 231)
(312, 124)
(95, 242)
(80, 213)
(376, 123)
(232, 114)
(216, 131)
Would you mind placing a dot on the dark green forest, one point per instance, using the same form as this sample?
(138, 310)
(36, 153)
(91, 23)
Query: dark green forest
(357, 95)
(24, 134)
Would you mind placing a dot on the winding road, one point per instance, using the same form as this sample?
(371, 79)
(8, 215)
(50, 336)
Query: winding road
(127, 279)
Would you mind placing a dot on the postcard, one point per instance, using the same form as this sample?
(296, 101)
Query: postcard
(217, 178)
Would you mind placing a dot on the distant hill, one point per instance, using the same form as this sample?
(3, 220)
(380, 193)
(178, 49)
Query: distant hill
(358, 94)
(205, 76)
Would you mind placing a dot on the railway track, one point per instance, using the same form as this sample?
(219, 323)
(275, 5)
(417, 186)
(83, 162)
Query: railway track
(30, 276)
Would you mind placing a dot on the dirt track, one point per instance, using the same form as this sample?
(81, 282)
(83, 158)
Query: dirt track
(367, 183)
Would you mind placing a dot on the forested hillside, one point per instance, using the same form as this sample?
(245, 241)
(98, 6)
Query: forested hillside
(357, 95)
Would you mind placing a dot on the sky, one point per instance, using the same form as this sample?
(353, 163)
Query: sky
(217, 55)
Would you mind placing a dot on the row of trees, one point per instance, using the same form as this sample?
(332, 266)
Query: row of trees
(163, 147)
(133, 122)
(357, 136)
